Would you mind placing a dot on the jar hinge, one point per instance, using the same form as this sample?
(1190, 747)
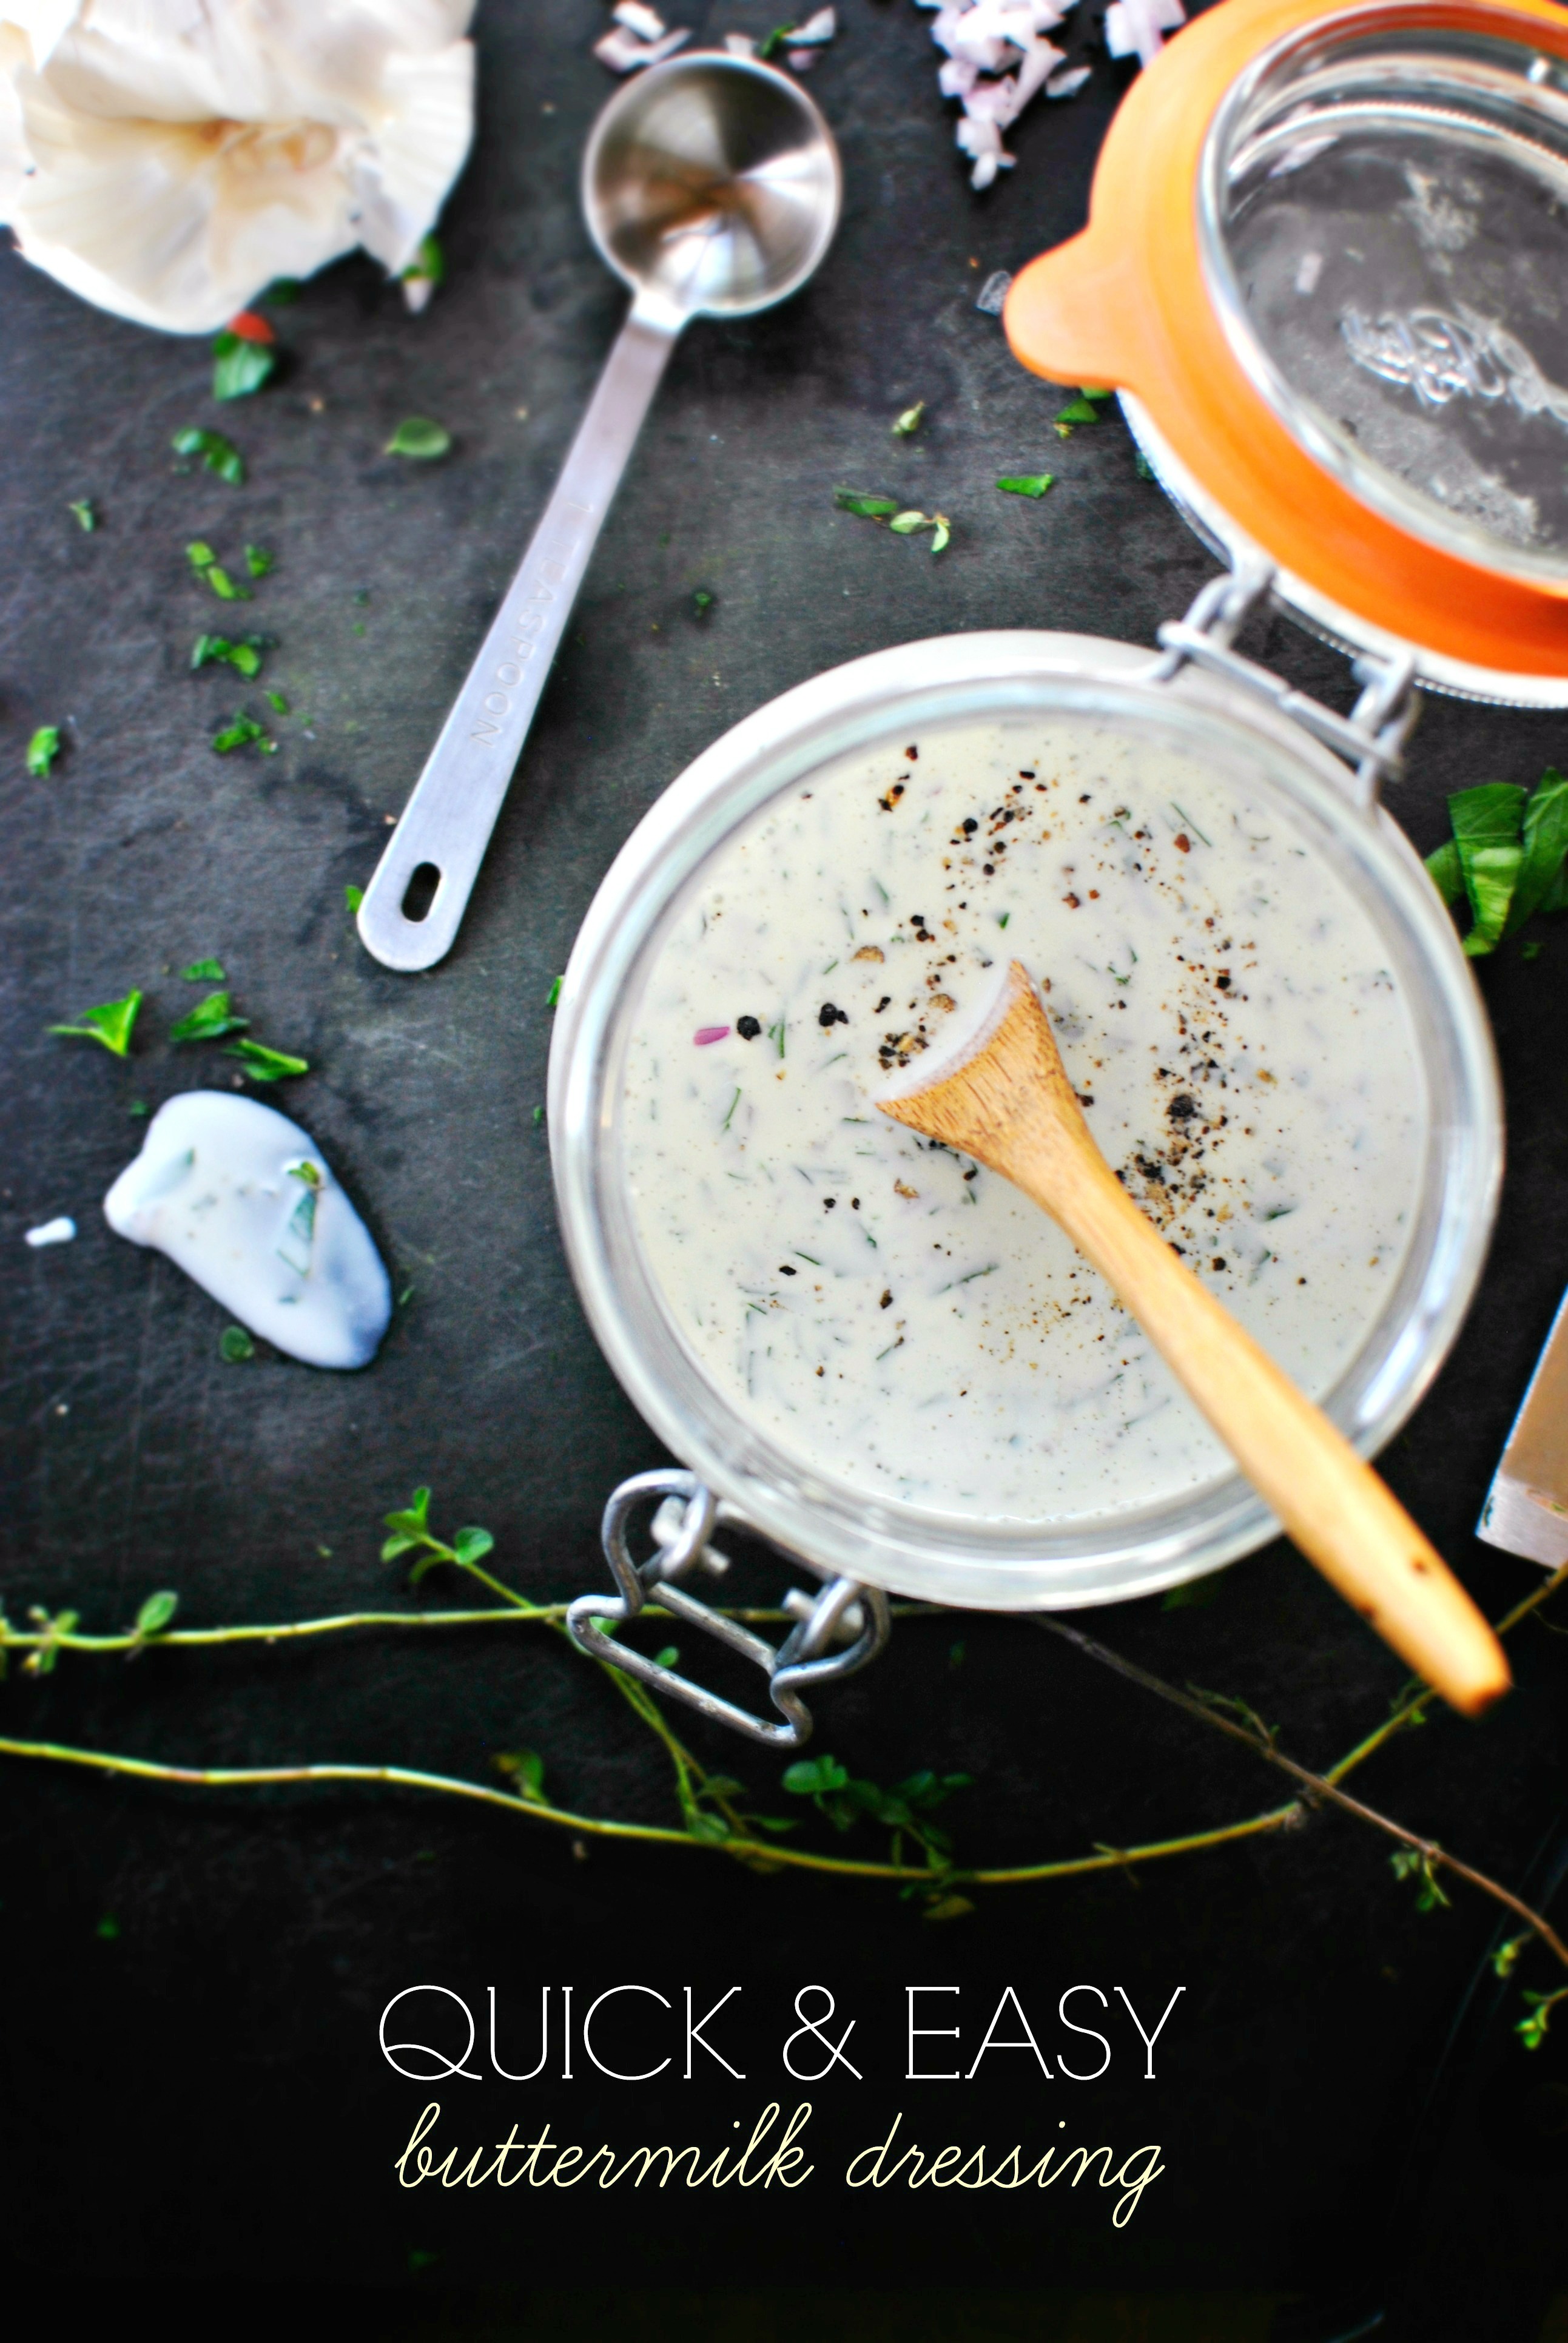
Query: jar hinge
(1371, 739)
(843, 1613)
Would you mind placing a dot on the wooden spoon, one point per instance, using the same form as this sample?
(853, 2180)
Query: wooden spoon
(1003, 1097)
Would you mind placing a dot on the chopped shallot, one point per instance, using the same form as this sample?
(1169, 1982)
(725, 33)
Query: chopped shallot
(622, 51)
(998, 59)
(1133, 27)
(646, 22)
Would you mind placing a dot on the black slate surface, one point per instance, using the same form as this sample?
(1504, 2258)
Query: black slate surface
(259, 1935)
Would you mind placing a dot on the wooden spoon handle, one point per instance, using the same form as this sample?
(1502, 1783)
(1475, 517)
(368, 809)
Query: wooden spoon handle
(1331, 1504)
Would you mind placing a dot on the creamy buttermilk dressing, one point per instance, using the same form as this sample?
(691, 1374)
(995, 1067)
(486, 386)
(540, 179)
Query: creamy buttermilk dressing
(904, 1320)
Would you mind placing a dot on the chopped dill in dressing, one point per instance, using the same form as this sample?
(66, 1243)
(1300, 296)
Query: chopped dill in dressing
(902, 1320)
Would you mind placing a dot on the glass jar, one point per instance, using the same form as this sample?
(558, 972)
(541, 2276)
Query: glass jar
(1323, 267)
(1198, 699)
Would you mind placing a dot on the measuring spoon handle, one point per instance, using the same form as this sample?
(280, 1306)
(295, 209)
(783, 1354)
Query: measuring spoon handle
(447, 823)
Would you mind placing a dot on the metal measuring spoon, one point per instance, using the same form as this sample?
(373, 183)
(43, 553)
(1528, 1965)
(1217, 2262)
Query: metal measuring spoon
(711, 185)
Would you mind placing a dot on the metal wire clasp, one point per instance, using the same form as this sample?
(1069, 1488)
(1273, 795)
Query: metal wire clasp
(843, 1613)
(1371, 739)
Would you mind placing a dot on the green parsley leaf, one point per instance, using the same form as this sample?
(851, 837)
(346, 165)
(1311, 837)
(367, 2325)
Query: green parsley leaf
(235, 1344)
(702, 601)
(264, 1065)
(772, 43)
(429, 265)
(218, 453)
(203, 971)
(554, 993)
(472, 1544)
(850, 500)
(239, 366)
(86, 512)
(1026, 484)
(111, 1023)
(245, 656)
(1142, 466)
(42, 750)
(1545, 844)
(200, 555)
(909, 420)
(354, 896)
(241, 734)
(1082, 409)
(1098, 397)
(278, 703)
(258, 560)
(283, 290)
(418, 437)
(209, 1020)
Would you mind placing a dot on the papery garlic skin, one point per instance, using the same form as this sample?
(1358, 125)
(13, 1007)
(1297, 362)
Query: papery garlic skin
(166, 160)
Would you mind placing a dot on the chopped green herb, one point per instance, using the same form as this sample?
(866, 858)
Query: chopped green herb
(538, 1116)
(1002, 917)
(282, 291)
(203, 971)
(909, 420)
(1082, 409)
(245, 656)
(111, 1023)
(200, 555)
(1142, 466)
(236, 1346)
(1026, 484)
(239, 365)
(701, 603)
(241, 734)
(1531, 949)
(353, 896)
(86, 512)
(278, 703)
(909, 524)
(218, 453)
(850, 500)
(42, 750)
(258, 560)
(209, 1020)
(224, 587)
(418, 437)
(1097, 397)
(554, 993)
(137, 1108)
(429, 265)
(772, 43)
(264, 1065)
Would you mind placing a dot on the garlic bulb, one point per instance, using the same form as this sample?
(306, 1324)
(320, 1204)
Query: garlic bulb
(168, 158)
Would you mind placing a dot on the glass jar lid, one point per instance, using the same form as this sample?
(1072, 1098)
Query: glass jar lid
(1326, 257)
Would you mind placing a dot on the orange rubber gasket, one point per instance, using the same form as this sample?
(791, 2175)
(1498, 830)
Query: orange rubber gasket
(1125, 305)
